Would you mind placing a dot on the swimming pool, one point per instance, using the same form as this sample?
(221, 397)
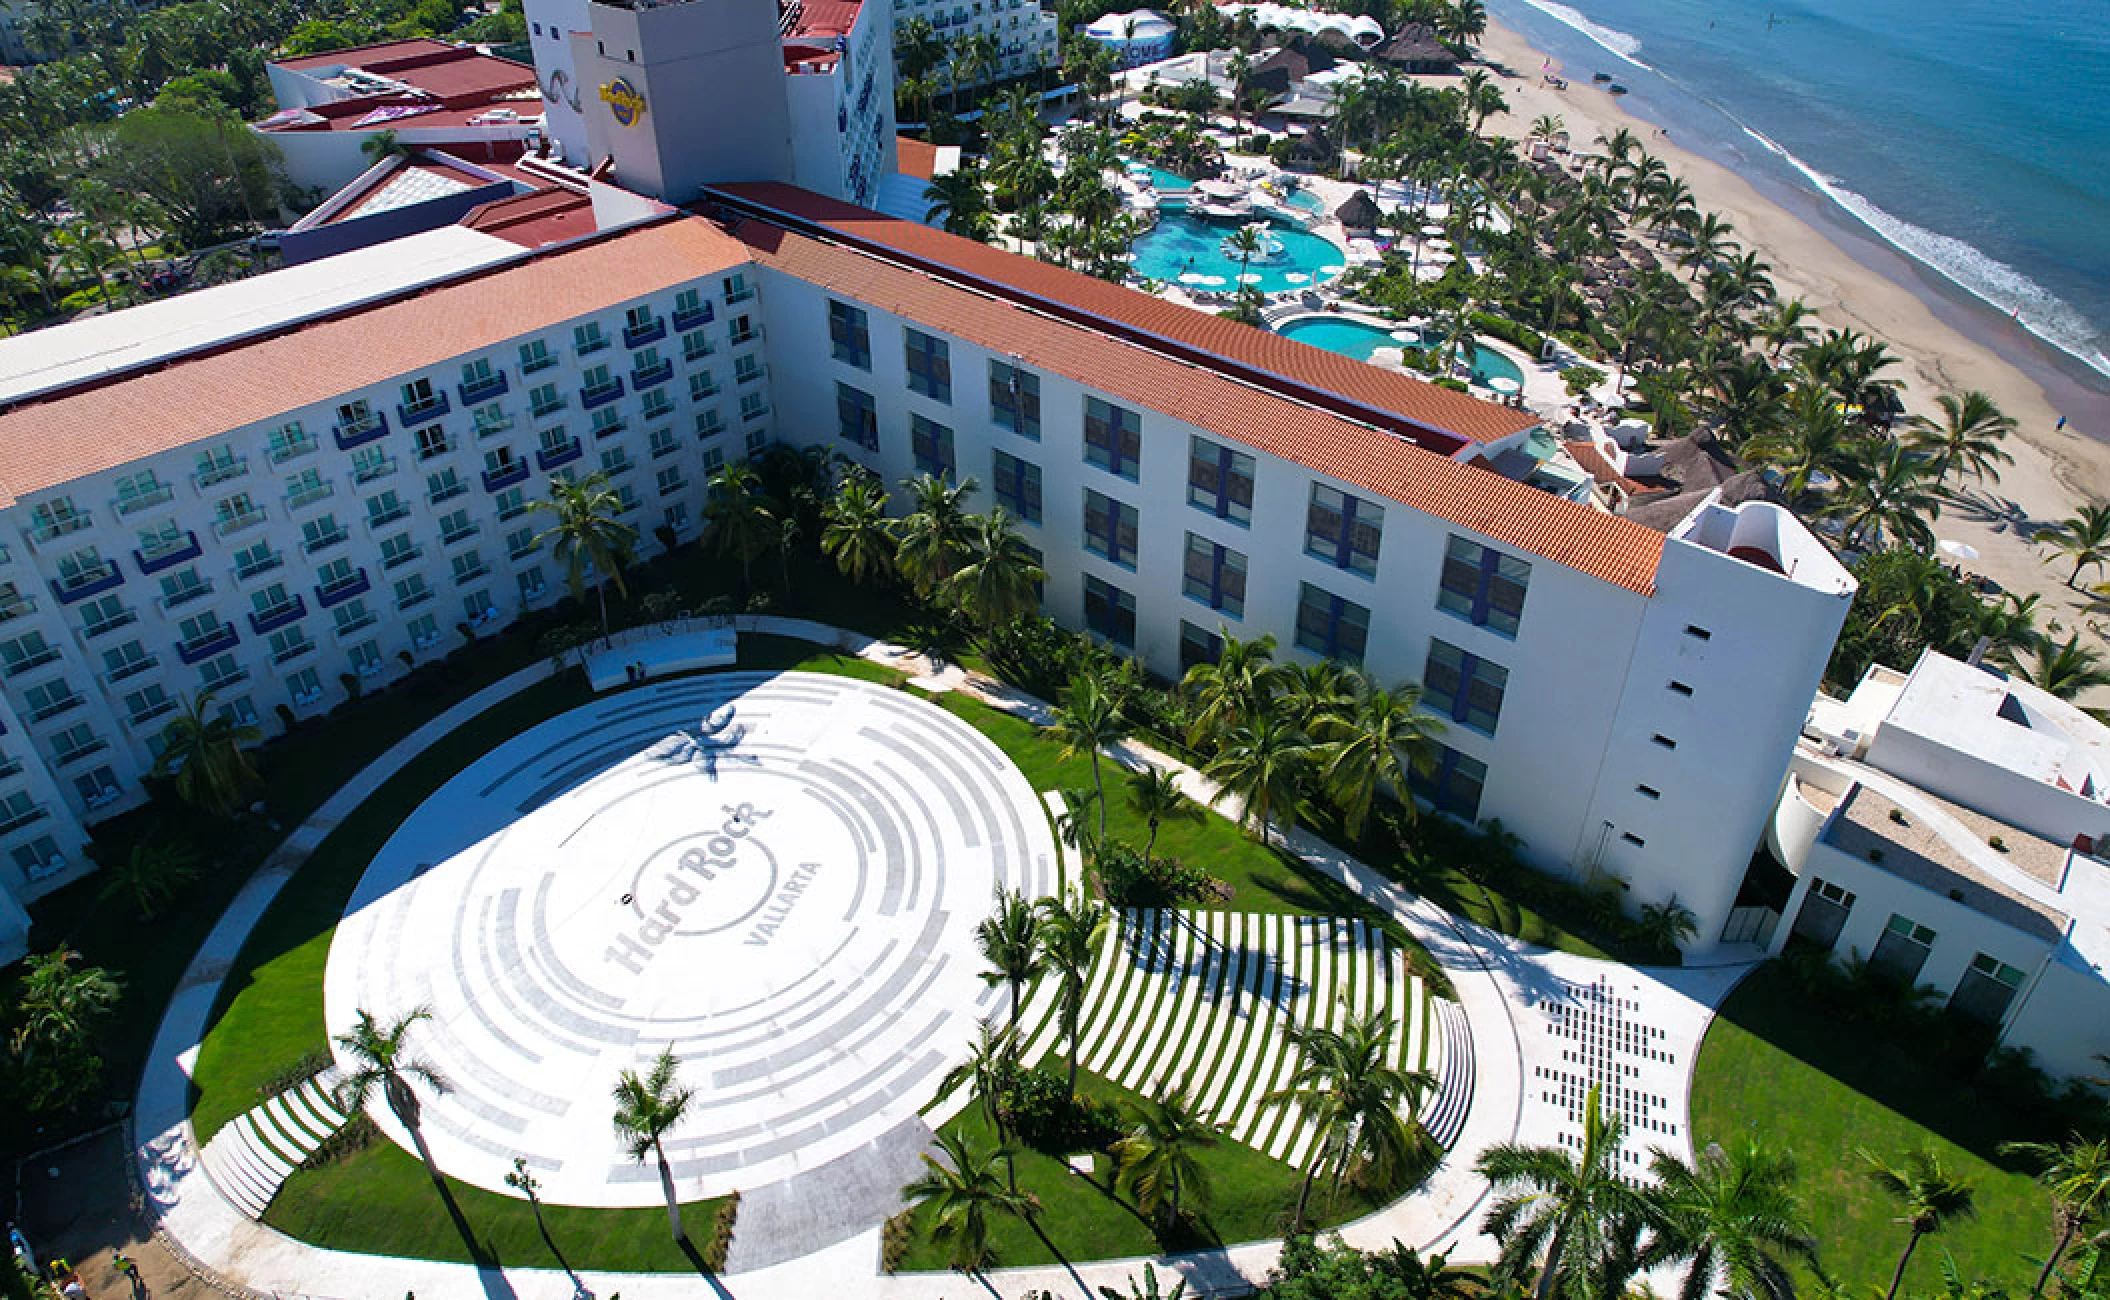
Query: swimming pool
(1160, 180)
(1185, 245)
(1359, 339)
(1304, 200)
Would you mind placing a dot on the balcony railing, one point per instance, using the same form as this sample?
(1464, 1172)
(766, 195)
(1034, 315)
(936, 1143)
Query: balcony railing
(400, 558)
(431, 408)
(292, 448)
(529, 365)
(447, 492)
(483, 390)
(343, 589)
(88, 582)
(493, 424)
(159, 494)
(259, 564)
(384, 517)
(15, 605)
(358, 433)
(564, 453)
(637, 336)
(688, 320)
(588, 347)
(289, 653)
(185, 595)
(601, 396)
(346, 627)
(36, 659)
(122, 618)
(229, 524)
(124, 672)
(609, 428)
(308, 496)
(152, 711)
(168, 556)
(323, 541)
(435, 450)
(650, 375)
(29, 816)
(94, 746)
(414, 599)
(206, 646)
(460, 535)
(496, 480)
(374, 469)
(220, 471)
(220, 681)
(472, 573)
(60, 525)
(56, 707)
(270, 620)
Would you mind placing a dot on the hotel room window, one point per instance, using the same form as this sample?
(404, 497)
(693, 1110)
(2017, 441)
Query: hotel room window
(1483, 586)
(1343, 530)
(1113, 438)
(1110, 529)
(930, 443)
(850, 334)
(1215, 576)
(1463, 687)
(929, 363)
(1331, 625)
(1220, 481)
(1014, 400)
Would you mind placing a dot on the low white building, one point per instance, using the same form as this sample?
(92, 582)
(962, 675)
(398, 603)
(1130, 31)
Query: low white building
(1948, 826)
(1027, 34)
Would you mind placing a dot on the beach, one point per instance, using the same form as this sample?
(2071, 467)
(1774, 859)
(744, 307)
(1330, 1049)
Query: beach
(2054, 470)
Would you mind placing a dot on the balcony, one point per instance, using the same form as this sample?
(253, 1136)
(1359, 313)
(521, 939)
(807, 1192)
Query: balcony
(358, 433)
(621, 466)
(587, 347)
(488, 425)
(688, 320)
(549, 458)
(122, 618)
(10, 766)
(414, 599)
(532, 594)
(220, 682)
(205, 647)
(37, 659)
(272, 619)
(27, 817)
(697, 352)
(323, 541)
(496, 480)
(544, 410)
(460, 535)
(610, 428)
(308, 496)
(526, 548)
(228, 525)
(378, 468)
(747, 335)
(219, 472)
(601, 396)
(292, 449)
(169, 556)
(447, 492)
(95, 746)
(637, 336)
(159, 494)
(433, 450)
(431, 408)
(60, 525)
(56, 707)
(345, 627)
(530, 365)
(126, 672)
(343, 589)
(483, 390)
(398, 559)
(739, 293)
(152, 711)
(471, 574)
(650, 375)
(184, 596)
(14, 605)
(88, 582)
(292, 652)
(383, 518)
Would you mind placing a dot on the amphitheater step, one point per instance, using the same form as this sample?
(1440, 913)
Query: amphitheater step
(251, 1157)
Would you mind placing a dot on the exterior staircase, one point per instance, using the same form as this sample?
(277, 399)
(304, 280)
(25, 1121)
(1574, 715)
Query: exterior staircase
(254, 1154)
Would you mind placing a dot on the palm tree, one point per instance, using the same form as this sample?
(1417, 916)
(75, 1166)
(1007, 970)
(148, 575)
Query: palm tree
(203, 749)
(382, 145)
(1086, 723)
(738, 517)
(1375, 746)
(1889, 495)
(1966, 440)
(1071, 929)
(1161, 1155)
(1147, 1289)
(1548, 127)
(960, 203)
(2077, 1175)
(2064, 669)
(1234, 688)
(1000, 581)
(56, 1009)
(646, 1110)
(379, 1058)
(1009, 938)
(2009, 626)
(1154, 795)
(855, 532)
(1558, 1207)
(1929, 1196)
(1707, 242)
(1260, 763)
(1730, 1216)
(960, 1195)
(1345, 1086)
(588, 535)
(2085, 537)
(1816, 444)
(150, 875)
(934, 536)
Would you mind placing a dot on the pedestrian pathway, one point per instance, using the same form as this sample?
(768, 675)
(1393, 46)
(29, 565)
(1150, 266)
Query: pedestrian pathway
(253, 1155)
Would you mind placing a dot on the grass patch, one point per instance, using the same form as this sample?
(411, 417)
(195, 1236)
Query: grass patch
(1779, 1065)
(379, 1201)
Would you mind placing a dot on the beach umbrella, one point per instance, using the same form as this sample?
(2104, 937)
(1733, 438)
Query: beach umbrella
(1193, 277)
(1334, 268)
(1214, 281)
(1505, 385)
(1432, 230)
(1388, 357)
(1406, 336)
(1296, 277)
(1249, 278)
(1956, 550)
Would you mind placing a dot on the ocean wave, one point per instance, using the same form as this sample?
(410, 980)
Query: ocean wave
(1624, 45)
(2032, 306)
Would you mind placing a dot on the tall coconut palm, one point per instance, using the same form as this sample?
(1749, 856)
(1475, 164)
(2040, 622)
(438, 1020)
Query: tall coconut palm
(1558, 1208)
(855, 532)
(1929, 1199)
(378, 1057)
(1260, 763)
(2064, 668)
(999, 582)
(1086, 723)
(2076, 1173)
(1154, 795)
(1072, 927)
(2009, 627)
(738, 518)
(1815, 444)
(1320, 689)
(589, 535)
(1160, 1157)
(1363, 1107)
(934, 535)
(1376, 745)
(202, 748)
(2085, 538)
(1966, 440)
(961, 1195)
(1232, 690)
(647, 1108)
(1009, 939)
(1731, 1217)
(960, 203)
(1889, 496)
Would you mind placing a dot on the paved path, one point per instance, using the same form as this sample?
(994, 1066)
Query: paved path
(1529, 1012)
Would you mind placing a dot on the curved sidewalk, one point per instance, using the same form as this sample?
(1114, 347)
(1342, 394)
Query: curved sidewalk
(1512, 995)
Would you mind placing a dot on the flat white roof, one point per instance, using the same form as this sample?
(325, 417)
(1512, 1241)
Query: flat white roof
(2004, 721)
(96, 345)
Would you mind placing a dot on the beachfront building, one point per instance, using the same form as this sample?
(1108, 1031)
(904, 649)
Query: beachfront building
(1948, 826)
(284, 509)
(1027, 33)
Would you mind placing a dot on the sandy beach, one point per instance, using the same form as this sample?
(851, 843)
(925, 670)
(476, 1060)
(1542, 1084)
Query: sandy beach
(2053, 470)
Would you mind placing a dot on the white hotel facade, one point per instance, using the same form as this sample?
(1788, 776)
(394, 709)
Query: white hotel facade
(285, 515)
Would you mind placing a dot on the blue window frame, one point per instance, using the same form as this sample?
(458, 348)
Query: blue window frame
(1463, 687)
(1220, 481)
(1017, 486)
(850, 334)
(929, 365)
(931, 445)
(856, 417)
(1215, 575)
(1014, 400)
(1113, 438)
(1343, 530)
(1110, 529)
(1110, 612)
(1331, 625)
(1453, 783)
(1483, 586)
(1198, 645)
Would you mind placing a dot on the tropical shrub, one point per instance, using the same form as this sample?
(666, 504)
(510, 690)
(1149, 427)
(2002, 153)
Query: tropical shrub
(1041, 1112)
(1581, 379)
(1507, 330)
(1128, 879)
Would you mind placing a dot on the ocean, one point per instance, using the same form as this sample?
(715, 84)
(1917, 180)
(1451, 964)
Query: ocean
(1968, 135)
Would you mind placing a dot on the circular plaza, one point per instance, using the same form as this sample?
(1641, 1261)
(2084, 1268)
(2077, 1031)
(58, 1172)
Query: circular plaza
(776, 875)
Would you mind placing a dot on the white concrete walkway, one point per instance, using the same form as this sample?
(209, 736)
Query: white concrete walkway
(1542, 1024)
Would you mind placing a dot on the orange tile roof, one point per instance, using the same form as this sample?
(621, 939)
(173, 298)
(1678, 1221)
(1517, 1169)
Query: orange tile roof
(1436, 416)
(1388, 466)
(535, 220)
(918, 158)
(57, 438)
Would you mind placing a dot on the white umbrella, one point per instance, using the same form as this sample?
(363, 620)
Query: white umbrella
(1956, 550)
(1249, 278)
(1193, 277)
(1214, 280)
(1432, 229)
(1388, 357)
(1504, 384)
(1296, 277)
(1333, 269)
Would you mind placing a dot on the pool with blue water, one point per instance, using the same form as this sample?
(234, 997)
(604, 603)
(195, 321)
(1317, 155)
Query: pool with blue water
(1360, 339)
(1181, 244)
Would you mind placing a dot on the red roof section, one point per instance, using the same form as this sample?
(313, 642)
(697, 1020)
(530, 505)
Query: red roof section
(918, 158)
(361, 56)
(1378, 462)
(1436, 417)
(535, 220)
(820, 19)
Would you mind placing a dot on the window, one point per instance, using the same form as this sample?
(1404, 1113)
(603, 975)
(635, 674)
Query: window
(289, 643)
(1453, 783)
(477, 373)
(218, 464)
(1463, 687)
(78, 741)
(1648, 792)
(657, 405)
(126, 660)
(1110, 612)
(431, 441)
(713, 461)
(677, 516)
(850, 334)
(1014, 400)
(607, 422)
(931, 445)
(1017, 486)
(531, 583)
(384, 508)
(305, 686)
(289, 440)
(1698, 633)
(1665, 741)
(306, 488)
(1680, 688)
(1220, 481)
(478, 607)
(1901, 950)
(1215, 576)
(444, 485)
(39, 858)
(1198, 645)
(544, 399)
(753, 406)
(742, 330)
(755, 440)
(366, 659)
(1110, 529)
(182, 586)
(521, 541)
(456, 526)
(1113, 438)
(103, 614)
(856, 417)
(709, 424)
(736, 288)
(511, 503)
(147, 703)
(747, 368)
(1986, 989)
(49, 699)
(1331, 625)
(1483, 586)
(696, 345)
(412, 591)
(469, 566)
(97, 787)
(587, 338)
(1343, 530)
(419, 399)
(424, 630)
(691, 309)
(535, 355)
(661, 442)
(26, 652)
(929, 365)
(271, 600)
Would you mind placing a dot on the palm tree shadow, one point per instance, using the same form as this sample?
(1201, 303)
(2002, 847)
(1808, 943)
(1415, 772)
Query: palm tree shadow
(490, 1271)
(703, 1270)
(2001, 513)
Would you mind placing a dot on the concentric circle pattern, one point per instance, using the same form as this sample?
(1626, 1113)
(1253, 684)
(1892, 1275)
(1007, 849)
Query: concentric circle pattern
(776, 875)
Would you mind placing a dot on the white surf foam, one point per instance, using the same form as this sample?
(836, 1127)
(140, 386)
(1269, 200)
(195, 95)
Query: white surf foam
(1624, 45)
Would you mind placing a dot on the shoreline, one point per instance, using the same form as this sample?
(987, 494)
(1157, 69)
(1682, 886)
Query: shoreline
(1814, 258)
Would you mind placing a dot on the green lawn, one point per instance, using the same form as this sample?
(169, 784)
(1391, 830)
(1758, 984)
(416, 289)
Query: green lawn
(378, 1201)
(1778, 1065)
(1082, 1218)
